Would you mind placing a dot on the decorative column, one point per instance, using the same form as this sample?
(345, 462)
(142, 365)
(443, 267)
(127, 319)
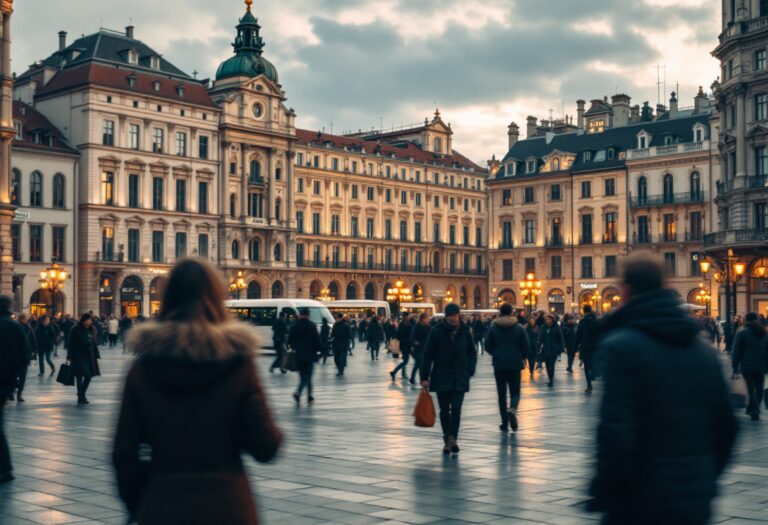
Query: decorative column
(243, 182)
(741, 132)
(271, 186)
(7, 210)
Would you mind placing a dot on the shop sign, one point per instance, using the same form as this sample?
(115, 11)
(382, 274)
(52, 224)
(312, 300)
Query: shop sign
(438, 293)
(588, 286)
(23, 215)
(129, 293)
(159, 271)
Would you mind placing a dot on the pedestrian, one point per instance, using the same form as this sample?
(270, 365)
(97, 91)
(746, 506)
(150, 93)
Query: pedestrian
(341, 335)
(736, 326)
(508, 343)
(325, 338)
(113, 330)
(125, 327)
(45, 337)
(448, 364)
(478, 330)
(279, 335)
(418, 343)
(375, 336)
(305, 341)
(532, 331)
(13, 352)
(551, 344)
(67, 324)
(750, 355)
(362, 329)
(569, 337)
(193, 398)
(31, 346)
(403, 335)
(587, 337)
(666, 428)
(83, 356)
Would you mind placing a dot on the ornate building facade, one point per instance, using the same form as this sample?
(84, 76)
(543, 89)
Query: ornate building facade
(6, 136)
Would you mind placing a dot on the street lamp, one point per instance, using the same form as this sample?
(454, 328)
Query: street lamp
(703, 297)
(237, 284)
(530, 289)
(52, 279)
(399, 293)
(727, 272)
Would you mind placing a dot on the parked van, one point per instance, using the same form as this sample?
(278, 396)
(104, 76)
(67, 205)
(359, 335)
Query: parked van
(262, 313)
(417, 308)
(360, 309)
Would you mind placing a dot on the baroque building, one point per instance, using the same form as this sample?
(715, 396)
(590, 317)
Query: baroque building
(6, 136)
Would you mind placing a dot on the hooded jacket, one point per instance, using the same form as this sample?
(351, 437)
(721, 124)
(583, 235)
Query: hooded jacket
(750, 349)
(508, 343)
(450, 358)
(13, 354)
(587, 335)
(194, 397)
(666, 428)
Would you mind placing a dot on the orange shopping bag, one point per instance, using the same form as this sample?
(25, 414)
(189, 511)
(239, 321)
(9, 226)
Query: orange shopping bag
(424, 411)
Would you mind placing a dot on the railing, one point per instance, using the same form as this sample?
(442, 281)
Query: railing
(586, 241)
(667, 238)
(669, 149)
(689, 197)
(506, 245)
(256, 181)
(610, 240)
(554, 242)
(694, 236)
(331, 265)
(110, 257)
(645, 238)
(749, 182)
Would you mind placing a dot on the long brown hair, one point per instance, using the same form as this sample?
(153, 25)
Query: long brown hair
(194, 292)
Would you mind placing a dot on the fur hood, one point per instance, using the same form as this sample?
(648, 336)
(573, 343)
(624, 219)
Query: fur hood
(193, 342)
(505, 321)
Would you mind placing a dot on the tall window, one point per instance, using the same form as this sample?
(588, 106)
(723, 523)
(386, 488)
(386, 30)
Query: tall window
(586, 189)
(479, 237)
(417, 231)
(299, 254)
(506, 235)
(181, 144)
(254, 250)
(316, 187)
(506, 269)
(202, 147)
(202, 245)
(452, 263)
(610, 234)
(760, 59)
(232, 205)
(57, 243)
(316, 223)
(369, 193)
(506, 198)
(670, 230)
(181, 195)
(133, 191)
(35, 243)
(355, 227)
(610, 266)
(16, 187)
(556, 234)
(354, 191)
(36, 189)
(642, 190)
(529, 231)
(254, 171)
(388, 229)
(586, 229)
(556, 267)
(107, 244)
(157, 247)
(133, 245)
(670, 264)
(530, 264)
(529, 195)
(278, 252)
(158, 138)
(761, 106)
(643, 231)
(134, 136)
(554, 192)
(761, 161)
(369, 228)
(59, 191)
(335, 224)
(403, 260)
(107, 188)
(695, 186)
(300, 222)
(157, 193)
(403, 230)
(436, 232)
(452, 234)
(669, 188)
(465, 239)
(202, 197)
(16, 241)
(610, 187)
(761, 215)
(108, 133)
(586, 267)
(696, 226)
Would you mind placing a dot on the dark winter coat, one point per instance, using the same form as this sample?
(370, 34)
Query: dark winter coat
(325, 336)
(478, 328)
(194, 397)
(45, 337)
(450, 358)
(666, 428)
(305, 340)
(508, 343)
(404, 336)
(551, 340)
(750, 349)
(533, 339)
(588, 335)
(279, 330)
(13, 354)
(29, 335)
(419, 336)
(374, 332)
(82, 352)
(569, 337)
(341, 334)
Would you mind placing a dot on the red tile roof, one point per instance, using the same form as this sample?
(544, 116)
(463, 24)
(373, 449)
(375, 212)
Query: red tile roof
(117, 78)
(402, 150)
(32, 121)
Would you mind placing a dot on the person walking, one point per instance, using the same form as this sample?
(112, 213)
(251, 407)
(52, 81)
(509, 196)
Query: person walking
(569, 338)
(418, 343)
(448, 364)
(325, 338)
(125, 327)
(45, 337)
(83, 356)
(750, 355)
(67, 324)
(509, 346)
(113, 330)
(375, 335)
(279, 335)
(666, 428)
(305, 341)
(404, 330)
(587, 336)
(341, 335)
(478, 330)
(193, 397)
(532, 331)
(736, 326)
(552, 345)
(31, 346)
(13, 352)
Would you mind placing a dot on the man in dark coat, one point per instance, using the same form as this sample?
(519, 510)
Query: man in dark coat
(569, 337)
(279, 333)
(13, 352)
(478, 330)
(666, 428)
(449, 362)
(750, 355)
(45, 336)
(341, 335)
(29, 335)
(508, 343)
(587, 337)
(551, 344)
(305, 341)
(374, 335)
(419, 336)
(404, 330)
(83, 354)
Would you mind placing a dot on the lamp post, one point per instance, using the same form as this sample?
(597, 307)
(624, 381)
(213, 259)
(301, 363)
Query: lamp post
(237, 284)
(325, 295)
(703, 297)
(728, 273)
(530, 289)
(399, 293)
(52, 279)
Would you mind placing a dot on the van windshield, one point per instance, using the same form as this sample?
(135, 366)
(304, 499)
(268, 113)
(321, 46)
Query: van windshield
(317, 314)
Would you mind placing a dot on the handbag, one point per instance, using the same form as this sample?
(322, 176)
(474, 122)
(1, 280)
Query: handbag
(424, 411)
(394, 347)
(291, 360)
(65, 376)
(738, 393)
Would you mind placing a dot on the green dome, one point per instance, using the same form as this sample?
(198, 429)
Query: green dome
(248, 65)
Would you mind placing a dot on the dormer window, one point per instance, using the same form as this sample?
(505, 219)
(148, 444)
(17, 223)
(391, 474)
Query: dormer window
(587, 156)
(555, 164)
(611, 154)
(157, 85)
(438, 145)
(596, 126)
(18, 127)
(133, 56)
(132, 81)
(668, 140)
(643, 140)
(511, 169)
(154, 62)
(530, 166)
(36, 138)
(180, 91)
(698, 134)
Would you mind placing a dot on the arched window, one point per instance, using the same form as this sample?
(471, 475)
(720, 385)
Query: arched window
(235, 249)
(314, 289)
(351, 291)
(278, 252)
(333, 289)
(255, 173)
(278, 174)
(278, 209)
(254, 250)
(478, 298)
(232, 202)
(59, 191)
(370, 292)
(36, 189)
(277, 290)
(463, 297)
(16, 187)
(669, 188)
(695, 186)
(642, 190)
(254, 290)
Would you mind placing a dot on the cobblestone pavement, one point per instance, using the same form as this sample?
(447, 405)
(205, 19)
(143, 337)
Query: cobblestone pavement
(355, 457)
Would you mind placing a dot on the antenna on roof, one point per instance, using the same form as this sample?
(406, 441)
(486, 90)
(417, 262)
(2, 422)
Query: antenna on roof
(331, 127)
(659, 82)
(194, 74)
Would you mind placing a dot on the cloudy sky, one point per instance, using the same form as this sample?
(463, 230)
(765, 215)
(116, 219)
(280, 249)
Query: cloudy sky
(351, 64)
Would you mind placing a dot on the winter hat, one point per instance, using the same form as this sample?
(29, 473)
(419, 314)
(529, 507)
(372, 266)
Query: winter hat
(452, 309)
(750, 317)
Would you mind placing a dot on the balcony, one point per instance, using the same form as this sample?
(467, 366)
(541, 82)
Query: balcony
(666, 238)
(733, 238)
(641, 238)
(665, 200)
(506, 245)
(586, 240)
(554, 242)
(671, 149)
(392, 268)
(750, 182)
(694, 236)
(255, 181)
(110, 257)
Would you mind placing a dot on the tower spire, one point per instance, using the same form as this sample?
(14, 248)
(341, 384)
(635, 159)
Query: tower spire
(248, 4)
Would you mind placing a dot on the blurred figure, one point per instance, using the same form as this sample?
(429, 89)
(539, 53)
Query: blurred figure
(31, 347)
(341, 335)
(13, 352)
(67, 324)
(587, 337)
(552, 345)
(325, 339)
(305, 341)
(125, 327)
(419, 336)
(279, 334)
(403, 335)
(710, 325)
(508, 343)
(113, 330)
(479, 330)
(45, 336)
(83, 355)
(666, 428)
(750, 355)
(736, 325)
(449, 362)
(532, 331)
(193, 397)
(374, 335)
(569, 337)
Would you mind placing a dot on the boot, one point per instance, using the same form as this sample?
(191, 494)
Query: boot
(454, 446)
(512, 415)
(19, 399)
(446, 445)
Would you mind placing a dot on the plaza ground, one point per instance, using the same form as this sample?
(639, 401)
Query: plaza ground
(355, 457)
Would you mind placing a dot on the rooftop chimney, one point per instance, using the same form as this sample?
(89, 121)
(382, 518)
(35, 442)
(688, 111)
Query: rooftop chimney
(673, 105)
(634, 116)
(129, 31)
(580, 113)
(647, 112)
(660, 110)
(62, 40)
(513, 131)
(621, 110)
(531, 127)
(701, 102)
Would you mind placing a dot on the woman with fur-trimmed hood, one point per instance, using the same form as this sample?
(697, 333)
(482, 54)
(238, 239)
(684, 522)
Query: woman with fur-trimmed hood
(193, 398)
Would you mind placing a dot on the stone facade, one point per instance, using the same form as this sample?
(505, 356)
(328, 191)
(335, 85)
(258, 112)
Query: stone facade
(6, 136)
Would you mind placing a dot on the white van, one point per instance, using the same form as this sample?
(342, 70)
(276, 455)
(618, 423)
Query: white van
(417, 308)
(262, 313)
(360, 309)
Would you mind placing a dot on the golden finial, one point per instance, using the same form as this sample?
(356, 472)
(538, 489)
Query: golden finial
(248, 4)
(437, 112)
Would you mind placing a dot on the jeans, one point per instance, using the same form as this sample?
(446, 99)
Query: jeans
(340, 359)
(755, 385)
(587, 359)
(279, 353)
(416, 366)
(82, 383)
(42, 358)
(374, 347)
(21, 374)
(571, 357)
(550, 361)
(450, 412)
(305, 379)
(5, 452)
(403, 364)
(112, 340)
(532, 362)
(507, 380)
